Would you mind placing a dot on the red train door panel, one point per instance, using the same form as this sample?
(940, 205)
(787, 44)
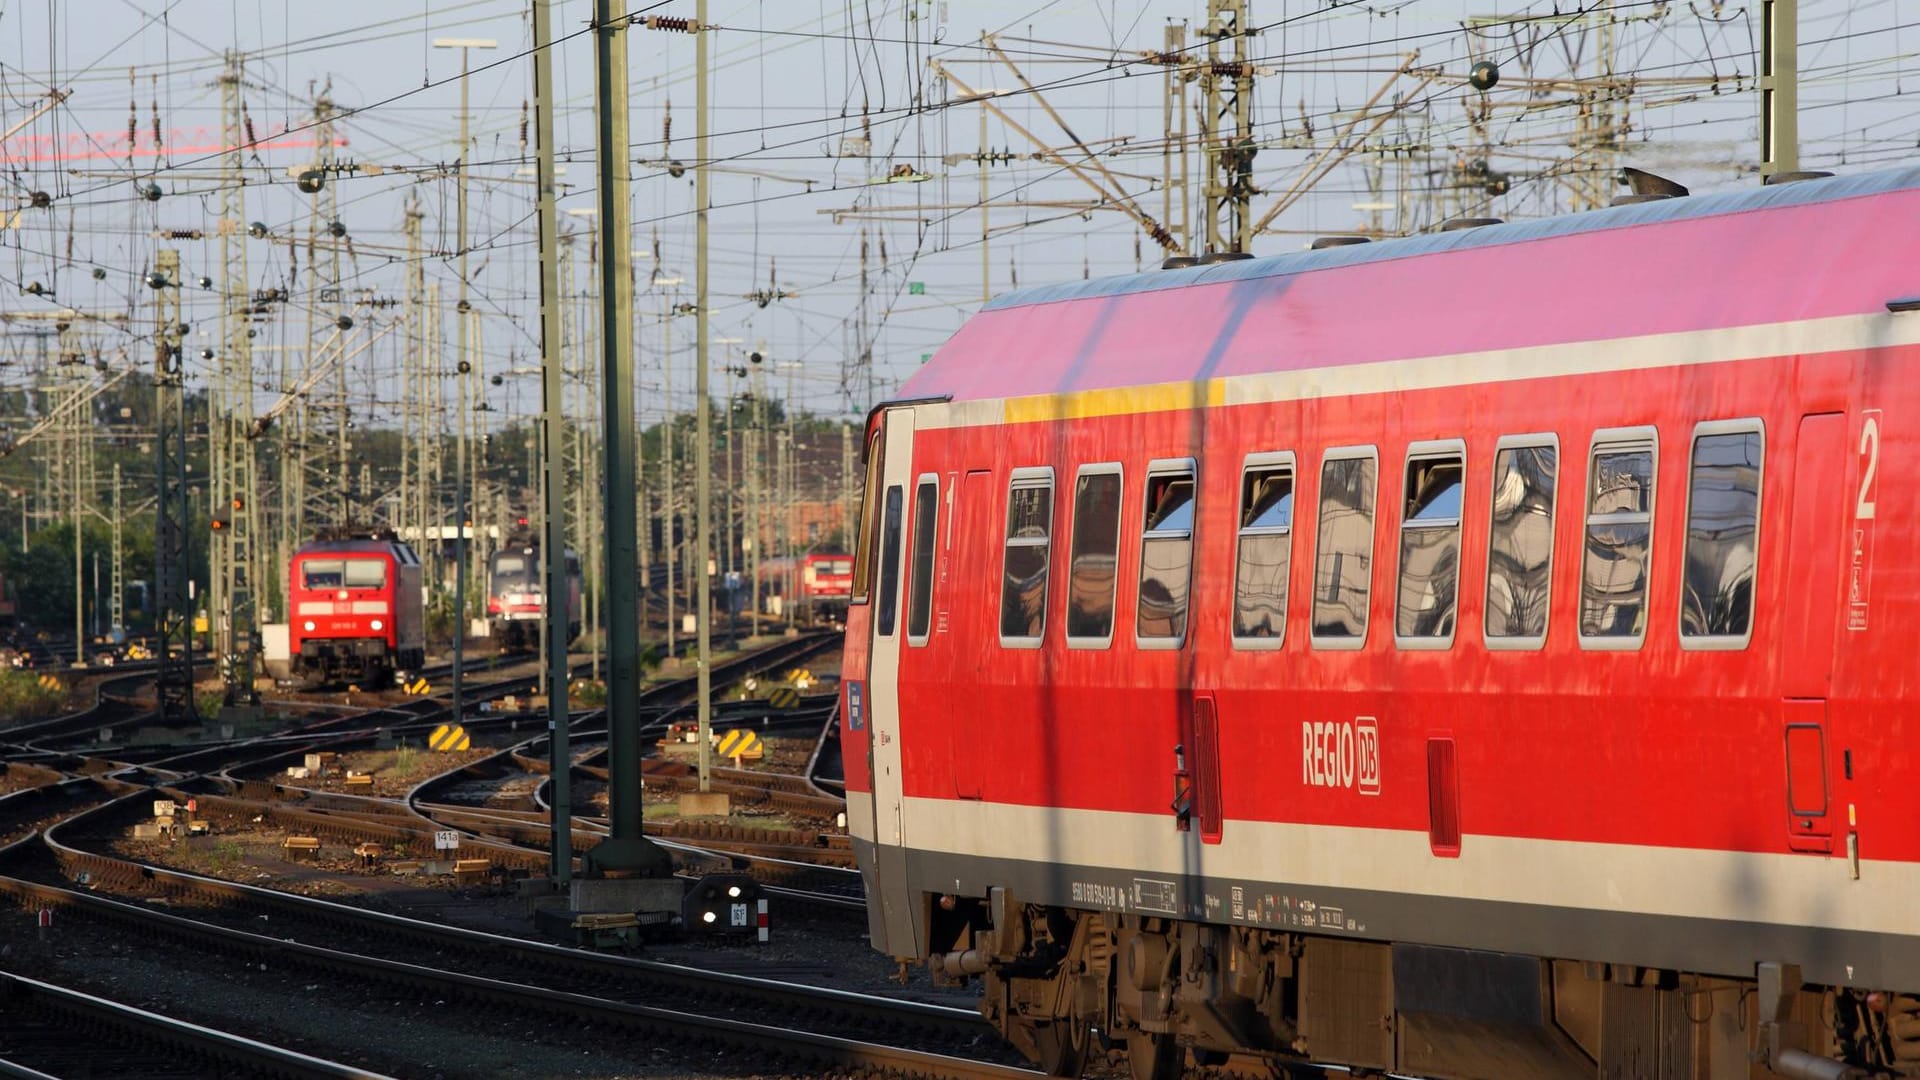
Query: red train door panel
(965, 647)
(1207, 809)
(1809, 608)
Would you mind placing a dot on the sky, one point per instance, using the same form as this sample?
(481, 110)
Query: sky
(834, 124)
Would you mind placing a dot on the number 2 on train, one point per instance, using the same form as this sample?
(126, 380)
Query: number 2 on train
(1869, 464)
(1860, 558)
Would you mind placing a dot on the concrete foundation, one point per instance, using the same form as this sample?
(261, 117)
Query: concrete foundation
(626, 895)
(705, 804)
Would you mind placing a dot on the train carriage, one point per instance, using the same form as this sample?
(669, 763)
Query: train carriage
(357, 611)
(815, 585)
(1481, 654)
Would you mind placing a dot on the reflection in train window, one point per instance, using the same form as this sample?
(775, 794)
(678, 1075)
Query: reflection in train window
(1094, 556)
(1430, 548)
(926, 503)
(889, 563)
(1264, 552)
(1619, 542)
(1723, 521)
(1023, 588)
(1520, 545)
(1166, 555)
(1343, 549)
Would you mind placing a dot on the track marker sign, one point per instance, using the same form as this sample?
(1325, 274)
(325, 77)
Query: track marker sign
(741, 743)
(449, 737)
(446, 840)
(419, 687)
(783, 697)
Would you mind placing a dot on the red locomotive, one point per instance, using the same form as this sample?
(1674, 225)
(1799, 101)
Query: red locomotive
(818, 584)
(1476, 655)
(356, 612)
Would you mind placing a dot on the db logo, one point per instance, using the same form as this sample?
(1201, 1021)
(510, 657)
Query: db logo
(1341, 754)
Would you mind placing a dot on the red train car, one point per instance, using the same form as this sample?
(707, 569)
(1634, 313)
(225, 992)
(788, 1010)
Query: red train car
(1480, 654)
(818, 582)
(356, 611)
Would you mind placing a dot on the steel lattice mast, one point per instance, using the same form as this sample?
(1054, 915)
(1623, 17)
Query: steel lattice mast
(174, 681)
(235, 575)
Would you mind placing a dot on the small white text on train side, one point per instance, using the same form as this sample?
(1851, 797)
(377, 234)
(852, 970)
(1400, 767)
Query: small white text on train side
(1341, 754)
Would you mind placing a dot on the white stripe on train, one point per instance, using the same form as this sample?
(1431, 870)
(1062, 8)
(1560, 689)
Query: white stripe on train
(1786, 889)
(1839, 333)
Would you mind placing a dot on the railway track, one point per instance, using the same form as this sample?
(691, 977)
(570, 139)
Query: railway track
(854, 1032)
(38, 1041)
(829, 1029)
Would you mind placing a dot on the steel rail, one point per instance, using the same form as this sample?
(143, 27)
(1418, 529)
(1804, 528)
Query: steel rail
(216, 1052)
(812, 1048)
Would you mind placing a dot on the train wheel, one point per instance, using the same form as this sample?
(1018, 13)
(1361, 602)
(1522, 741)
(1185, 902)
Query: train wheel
(1063, 1046)
(1152, 1057)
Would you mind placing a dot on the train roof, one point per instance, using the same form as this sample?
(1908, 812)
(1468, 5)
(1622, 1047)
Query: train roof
(345, 547)
(1827, 247)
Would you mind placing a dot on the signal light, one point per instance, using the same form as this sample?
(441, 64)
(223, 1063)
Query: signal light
(217, 524)
(238, 503)
(523, 521)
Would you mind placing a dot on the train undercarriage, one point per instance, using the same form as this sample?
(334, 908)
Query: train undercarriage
(1065, 985)
(363, 662)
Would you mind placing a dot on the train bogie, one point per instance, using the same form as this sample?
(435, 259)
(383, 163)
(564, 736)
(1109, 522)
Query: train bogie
(1517, 686)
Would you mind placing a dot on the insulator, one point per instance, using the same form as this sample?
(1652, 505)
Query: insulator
(673, 24)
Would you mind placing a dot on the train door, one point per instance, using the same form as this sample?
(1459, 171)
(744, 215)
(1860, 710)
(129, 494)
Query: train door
(887, 631)
(976, 540)
(1809, 615)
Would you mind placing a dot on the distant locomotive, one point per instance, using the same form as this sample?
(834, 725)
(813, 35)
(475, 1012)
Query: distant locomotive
(817, 585)
(1484, 654)
(356, 611)
(516, 596)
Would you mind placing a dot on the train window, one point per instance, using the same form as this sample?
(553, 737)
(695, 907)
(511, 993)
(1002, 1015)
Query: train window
(1264, 551)
(1619, 539)
(1023, 588)
(366, 573)
(1723, 525)
(323, 573)
(1429, 588)
(926, 509)
(889, 563)
(1343, 548)
(1166, 555)
(1520, 542)
(1094, 557)
(869, 505)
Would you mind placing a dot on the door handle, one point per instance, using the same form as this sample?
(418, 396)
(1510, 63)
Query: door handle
(1182, 790)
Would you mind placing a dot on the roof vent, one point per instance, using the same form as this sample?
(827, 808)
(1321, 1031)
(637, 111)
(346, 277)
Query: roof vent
(1212, 257)
(1794, 177)
(1636, 200)
(1322, 242)
(1459, 223)
(1179, 262)
(1642, 182)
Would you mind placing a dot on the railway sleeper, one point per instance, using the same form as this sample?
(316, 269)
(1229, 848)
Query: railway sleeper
(1062, 984)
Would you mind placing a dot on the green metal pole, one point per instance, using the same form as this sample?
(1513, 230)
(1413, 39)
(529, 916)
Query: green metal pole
(551, 432)
(625, 850)
(703, 440)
